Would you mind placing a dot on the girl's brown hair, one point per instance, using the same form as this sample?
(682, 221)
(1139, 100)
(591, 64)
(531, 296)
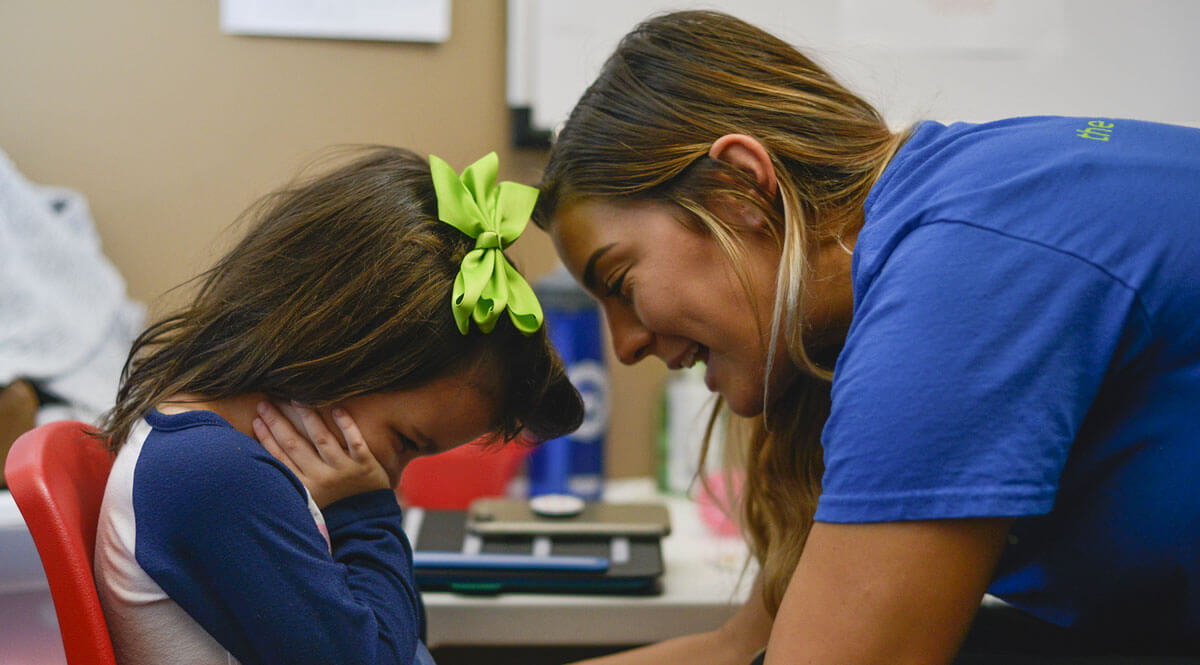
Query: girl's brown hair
(341, 287)
(642, 132)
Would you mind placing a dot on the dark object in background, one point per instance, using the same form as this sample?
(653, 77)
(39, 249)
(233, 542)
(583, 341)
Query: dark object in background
(18, 411)
(628, 565)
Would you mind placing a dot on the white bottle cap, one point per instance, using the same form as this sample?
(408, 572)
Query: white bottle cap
(556, 505)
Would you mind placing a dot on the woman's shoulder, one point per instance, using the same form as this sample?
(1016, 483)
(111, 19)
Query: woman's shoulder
(1067, 158)
(1075, 185)
(941, 168)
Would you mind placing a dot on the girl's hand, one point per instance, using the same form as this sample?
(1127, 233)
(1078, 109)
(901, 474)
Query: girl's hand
(328, 469)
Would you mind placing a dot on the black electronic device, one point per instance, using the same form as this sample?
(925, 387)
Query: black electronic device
(447, 556)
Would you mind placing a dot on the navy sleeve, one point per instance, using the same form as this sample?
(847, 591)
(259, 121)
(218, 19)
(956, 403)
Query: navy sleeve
(971, 362)
(225, 530)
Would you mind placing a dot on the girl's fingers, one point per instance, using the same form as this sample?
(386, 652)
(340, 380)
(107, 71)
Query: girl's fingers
(355, 443)
(292, 442)
(267, 440)
(325, 442)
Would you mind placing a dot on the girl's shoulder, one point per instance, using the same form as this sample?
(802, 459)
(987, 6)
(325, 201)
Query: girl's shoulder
(196, 439)
(194, 454)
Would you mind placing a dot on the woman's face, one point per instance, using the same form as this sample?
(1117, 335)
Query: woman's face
(671, 292)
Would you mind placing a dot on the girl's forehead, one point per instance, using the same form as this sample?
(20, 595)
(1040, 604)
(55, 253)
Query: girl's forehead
(467, 400)
(483, 381)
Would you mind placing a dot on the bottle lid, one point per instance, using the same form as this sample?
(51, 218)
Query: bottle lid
(556, 505)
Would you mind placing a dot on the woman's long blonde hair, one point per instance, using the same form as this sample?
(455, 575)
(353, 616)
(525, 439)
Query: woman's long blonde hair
(642, 132)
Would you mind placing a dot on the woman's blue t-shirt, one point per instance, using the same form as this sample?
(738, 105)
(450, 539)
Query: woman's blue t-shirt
(1026, 343)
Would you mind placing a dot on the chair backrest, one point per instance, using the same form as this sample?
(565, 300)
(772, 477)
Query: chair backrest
(451, 480)
(56, 473)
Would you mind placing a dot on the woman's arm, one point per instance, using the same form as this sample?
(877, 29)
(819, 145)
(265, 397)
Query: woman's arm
(894, 593)
(734, 643)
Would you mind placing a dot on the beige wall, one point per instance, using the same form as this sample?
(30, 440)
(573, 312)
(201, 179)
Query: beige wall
(171, 128)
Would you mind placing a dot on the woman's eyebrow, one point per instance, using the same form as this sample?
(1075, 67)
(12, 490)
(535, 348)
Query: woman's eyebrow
(589, 270)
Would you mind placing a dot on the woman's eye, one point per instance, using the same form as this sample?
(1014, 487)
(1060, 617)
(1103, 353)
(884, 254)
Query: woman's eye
(621, 288)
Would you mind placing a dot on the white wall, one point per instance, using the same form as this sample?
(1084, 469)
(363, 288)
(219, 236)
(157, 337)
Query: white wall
(940, 59)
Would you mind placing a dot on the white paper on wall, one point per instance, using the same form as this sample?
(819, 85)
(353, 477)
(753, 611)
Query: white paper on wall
(390, 20)
(948, 60)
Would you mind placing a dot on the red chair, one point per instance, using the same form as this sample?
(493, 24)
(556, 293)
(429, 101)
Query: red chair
(453, 479)
(56, 473)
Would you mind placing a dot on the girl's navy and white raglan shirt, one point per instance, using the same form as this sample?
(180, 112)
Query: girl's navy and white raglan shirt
(209, 550)
(1026, 343)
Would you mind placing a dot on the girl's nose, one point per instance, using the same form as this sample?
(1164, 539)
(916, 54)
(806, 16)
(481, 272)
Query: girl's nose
(631, 340)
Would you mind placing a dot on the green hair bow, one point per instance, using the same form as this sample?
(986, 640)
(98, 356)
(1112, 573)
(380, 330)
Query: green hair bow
(494, 216)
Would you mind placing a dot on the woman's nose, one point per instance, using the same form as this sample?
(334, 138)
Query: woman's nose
(631, 340)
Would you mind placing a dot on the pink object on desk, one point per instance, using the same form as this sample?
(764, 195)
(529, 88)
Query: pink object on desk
(717, 501)
(453, 479)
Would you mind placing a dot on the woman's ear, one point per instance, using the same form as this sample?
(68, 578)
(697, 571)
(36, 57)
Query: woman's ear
(746, 153)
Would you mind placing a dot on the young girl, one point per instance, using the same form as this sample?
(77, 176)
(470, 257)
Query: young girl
(345, 300)
(969, 354)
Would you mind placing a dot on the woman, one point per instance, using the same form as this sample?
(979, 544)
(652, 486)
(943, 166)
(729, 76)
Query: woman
(969, 354)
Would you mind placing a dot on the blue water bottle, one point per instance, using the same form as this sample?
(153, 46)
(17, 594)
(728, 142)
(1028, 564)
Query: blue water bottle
(574, 464)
